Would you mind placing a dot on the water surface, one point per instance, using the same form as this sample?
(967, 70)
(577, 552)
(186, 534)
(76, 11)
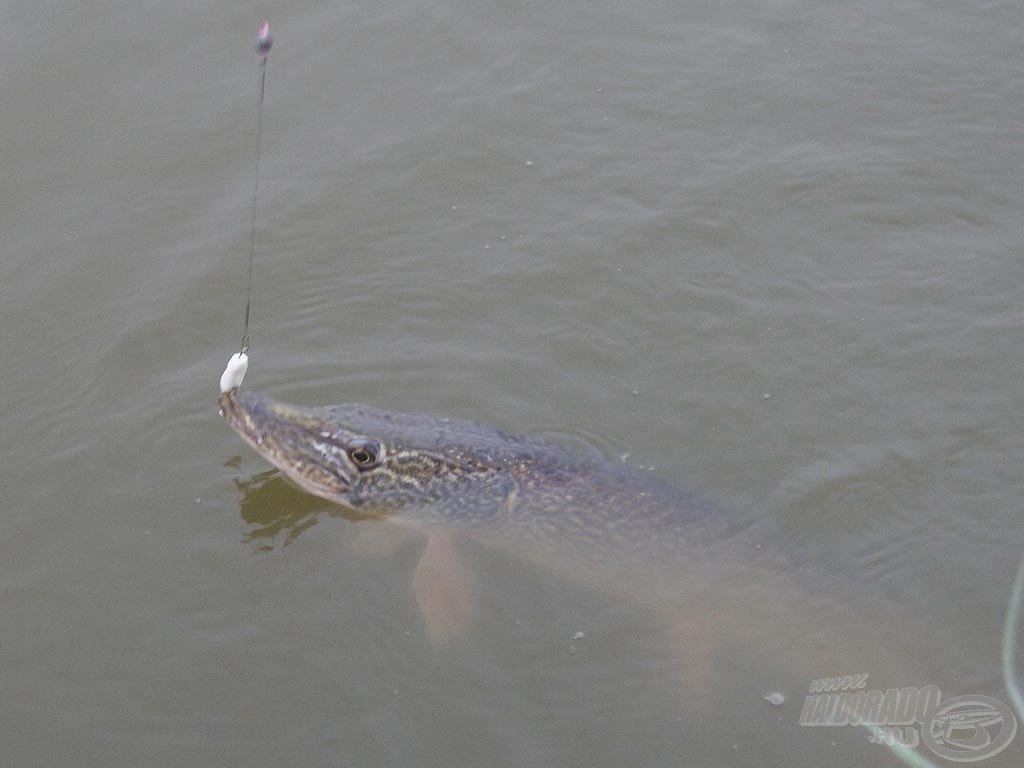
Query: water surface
(771, 251)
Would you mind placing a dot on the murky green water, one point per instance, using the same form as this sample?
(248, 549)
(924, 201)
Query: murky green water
(771, 251)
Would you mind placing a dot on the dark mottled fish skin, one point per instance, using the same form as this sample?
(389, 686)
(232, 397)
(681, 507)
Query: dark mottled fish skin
(466, 476)
(716, 582)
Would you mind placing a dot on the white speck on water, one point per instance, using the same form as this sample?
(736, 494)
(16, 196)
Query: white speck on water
(635, 391)
(529, 163)
(775, 698)
(623, 457)
(487, 247)
(455, 207)
(765, 395)
(578, 636)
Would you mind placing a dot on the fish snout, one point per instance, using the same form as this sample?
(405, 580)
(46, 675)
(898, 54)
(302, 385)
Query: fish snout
(290, 439)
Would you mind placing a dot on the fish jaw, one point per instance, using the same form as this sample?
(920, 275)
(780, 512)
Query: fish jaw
(378, 463)
(295, 440)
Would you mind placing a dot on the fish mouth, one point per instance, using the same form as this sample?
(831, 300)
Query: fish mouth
(295, 440)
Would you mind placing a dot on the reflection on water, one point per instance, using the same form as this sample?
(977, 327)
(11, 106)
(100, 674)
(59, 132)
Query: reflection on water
(274, 508)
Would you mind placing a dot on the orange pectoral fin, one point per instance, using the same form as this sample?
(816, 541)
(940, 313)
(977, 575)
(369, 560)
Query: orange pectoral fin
(444, 590)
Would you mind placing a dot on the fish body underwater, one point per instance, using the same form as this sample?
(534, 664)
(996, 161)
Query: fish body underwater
(469, 477)
(603, 524)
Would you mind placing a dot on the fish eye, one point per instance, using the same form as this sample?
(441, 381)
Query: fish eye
(365, 454)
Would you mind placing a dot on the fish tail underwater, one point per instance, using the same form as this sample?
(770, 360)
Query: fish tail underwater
(586, 521)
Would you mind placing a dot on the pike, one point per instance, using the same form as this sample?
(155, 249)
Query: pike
(584, 517)
(602, 524)
(465, 476)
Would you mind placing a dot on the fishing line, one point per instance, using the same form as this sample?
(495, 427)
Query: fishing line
(1011, 627)
(1011, 674)
(263, 43)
